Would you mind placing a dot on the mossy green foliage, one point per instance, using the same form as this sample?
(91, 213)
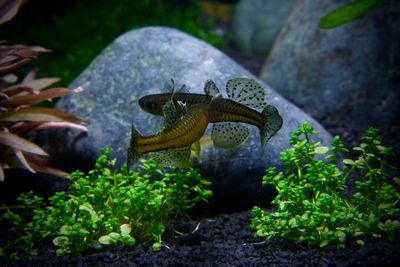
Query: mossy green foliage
(77, 31)
(106, 207)
(313, 205)
(348, 13)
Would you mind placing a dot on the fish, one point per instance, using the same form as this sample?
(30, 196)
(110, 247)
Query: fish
(244, 96)
(171, 146)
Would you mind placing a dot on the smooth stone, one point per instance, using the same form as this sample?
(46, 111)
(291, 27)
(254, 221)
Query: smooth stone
(257, 23)
(351, 72)
(139, 63)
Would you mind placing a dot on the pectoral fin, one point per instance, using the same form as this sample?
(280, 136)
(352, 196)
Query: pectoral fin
(229, 134)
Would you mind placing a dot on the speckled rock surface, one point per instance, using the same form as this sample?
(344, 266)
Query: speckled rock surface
(351, 72)
(257, 23)
(139, 63)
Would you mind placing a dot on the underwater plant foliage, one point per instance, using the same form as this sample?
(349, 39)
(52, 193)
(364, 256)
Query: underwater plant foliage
(80, 30)
(348, 13)
(105, 207)
(313, 206)
(22, 101)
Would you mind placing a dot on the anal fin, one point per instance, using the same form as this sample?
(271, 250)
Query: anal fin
(178, 157)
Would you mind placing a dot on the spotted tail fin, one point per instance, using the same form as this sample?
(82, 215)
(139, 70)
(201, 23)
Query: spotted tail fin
(273, 122)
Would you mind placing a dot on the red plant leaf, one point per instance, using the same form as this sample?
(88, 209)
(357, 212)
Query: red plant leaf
(1, 173)
(40, 114)
(18, 89)
(15, 56)
(8, 9)
(48, 94)
(14, 66)
(40, 84)
(54, 125)
(49, 170)
(23, 161)
(19, 143)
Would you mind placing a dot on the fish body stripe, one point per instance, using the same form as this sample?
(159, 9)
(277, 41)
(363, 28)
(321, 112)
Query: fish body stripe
(183, 133)
(227, 110)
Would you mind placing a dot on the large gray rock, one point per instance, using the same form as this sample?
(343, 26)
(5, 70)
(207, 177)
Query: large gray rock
(139, 63)
(351, 72)
(257, 23)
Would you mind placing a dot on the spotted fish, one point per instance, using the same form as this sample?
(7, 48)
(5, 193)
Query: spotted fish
(245, 95)
(171, 146)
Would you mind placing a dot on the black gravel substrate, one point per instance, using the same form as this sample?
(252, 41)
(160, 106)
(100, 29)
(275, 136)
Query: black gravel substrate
(226, 240)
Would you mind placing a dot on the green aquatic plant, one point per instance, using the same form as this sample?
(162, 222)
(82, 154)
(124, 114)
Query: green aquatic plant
(313, 205)
(105, 207)
(348, 13)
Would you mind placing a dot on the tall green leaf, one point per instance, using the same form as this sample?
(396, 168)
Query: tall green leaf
(347, 13)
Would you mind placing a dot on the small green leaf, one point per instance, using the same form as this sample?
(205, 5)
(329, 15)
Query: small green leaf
(348, 13)
(321, 150)
(349, 162)
(60, 240)
(125, 229)
(360, 242)
(114, 235)
(106, 240)
(323, 243)
(156, 246)
(65, 229)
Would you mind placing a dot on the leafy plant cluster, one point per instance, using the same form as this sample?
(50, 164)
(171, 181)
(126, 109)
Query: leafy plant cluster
(107, 207)
(19, 114)
(80, 30)
(313, 205)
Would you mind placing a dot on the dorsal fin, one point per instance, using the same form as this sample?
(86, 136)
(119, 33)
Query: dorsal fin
(247, 92)
(229, 134)
(169, 86)
(210, 88)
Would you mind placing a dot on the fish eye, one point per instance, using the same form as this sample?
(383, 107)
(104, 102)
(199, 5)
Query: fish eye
(149, 105)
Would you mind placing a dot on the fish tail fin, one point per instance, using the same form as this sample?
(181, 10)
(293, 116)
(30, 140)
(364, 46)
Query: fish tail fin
(273, 122)
(133, 156)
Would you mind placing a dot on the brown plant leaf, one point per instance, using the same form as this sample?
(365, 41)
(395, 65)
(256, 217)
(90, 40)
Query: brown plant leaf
(49, 170)
(10, 78)
(18, 89)
(40, 114)
(55, 125)
(40, 84)
(8, 9)
(19, 143)
(31, 75)
(15, 56)
(22, 128)
(38, 164)
(31, 99)
(1, 174)
(13, 66)
(23, 161)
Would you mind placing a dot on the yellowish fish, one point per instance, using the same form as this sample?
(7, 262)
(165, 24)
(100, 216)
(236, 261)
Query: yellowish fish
(175, 140)
(245, 95)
